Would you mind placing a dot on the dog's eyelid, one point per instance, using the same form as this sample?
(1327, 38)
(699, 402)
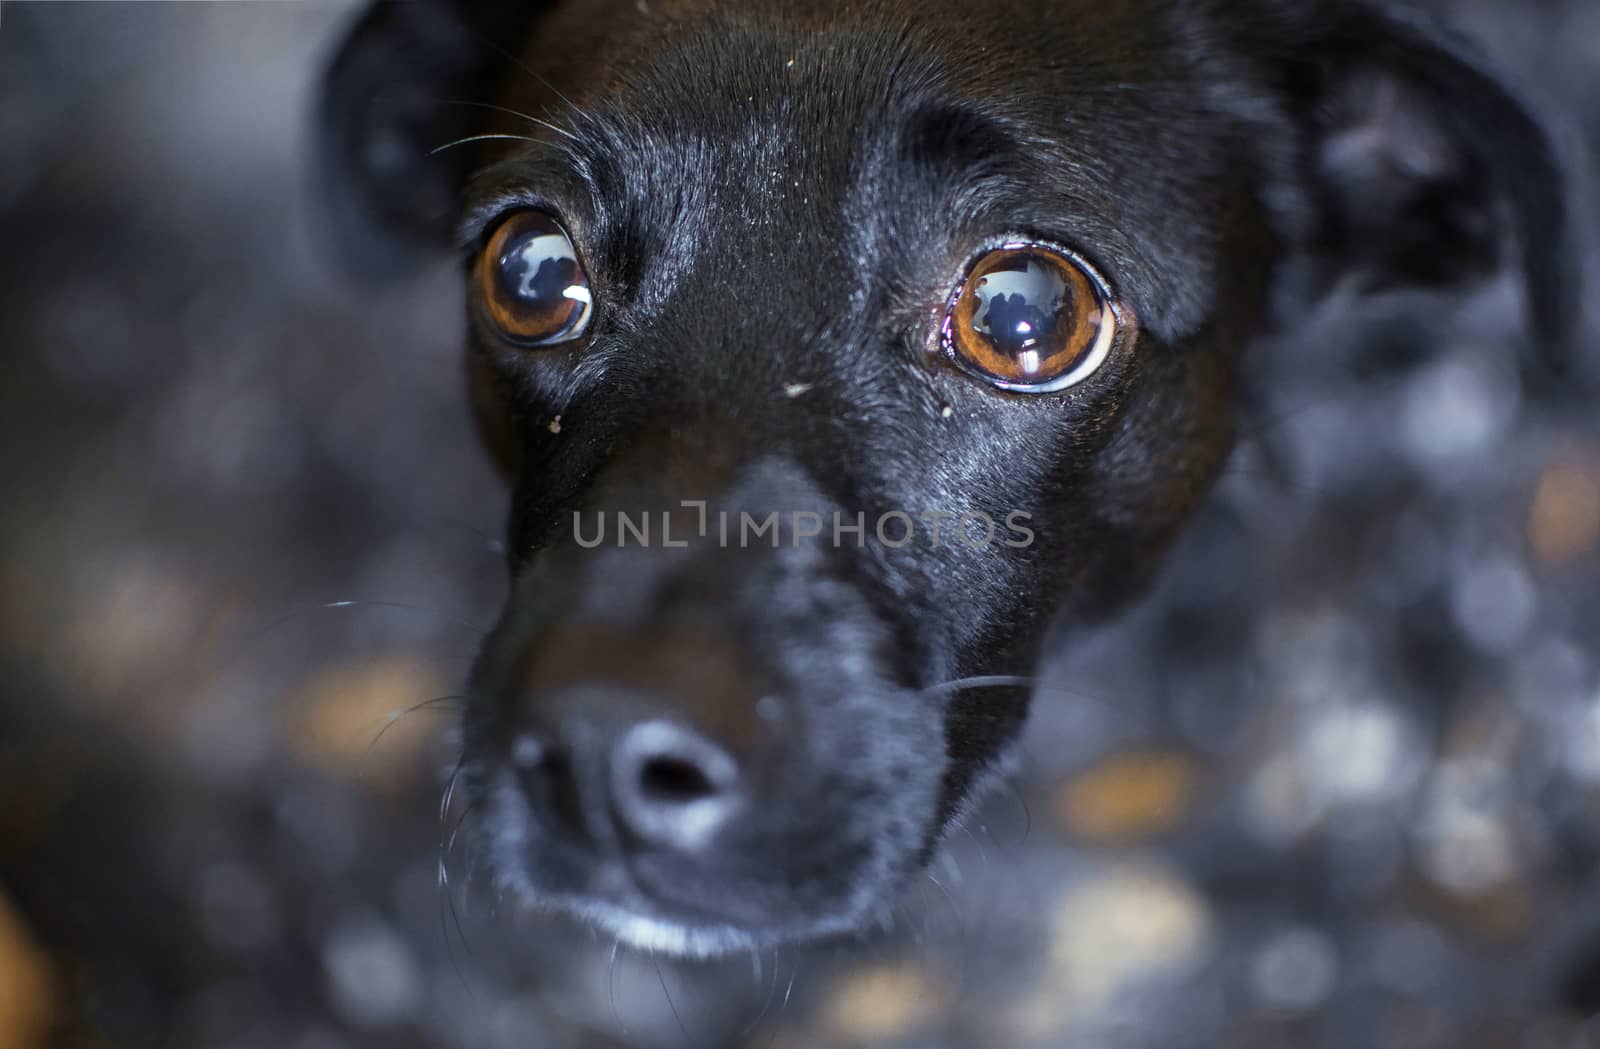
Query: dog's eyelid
(1062, 242)
(480, 217)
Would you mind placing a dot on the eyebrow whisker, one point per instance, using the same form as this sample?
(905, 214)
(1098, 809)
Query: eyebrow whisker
(536, 121)
(480, 138)
(520, 64)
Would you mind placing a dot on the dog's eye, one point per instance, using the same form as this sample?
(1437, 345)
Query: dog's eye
(1030, 318)
(530, 283)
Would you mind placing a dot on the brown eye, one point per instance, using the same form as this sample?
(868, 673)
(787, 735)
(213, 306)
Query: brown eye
(530, 283)
(1030, 318)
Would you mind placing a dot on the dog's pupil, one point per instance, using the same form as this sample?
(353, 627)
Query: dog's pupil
(1015, 323)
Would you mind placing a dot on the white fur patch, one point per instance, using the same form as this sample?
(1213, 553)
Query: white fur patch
(663, 937)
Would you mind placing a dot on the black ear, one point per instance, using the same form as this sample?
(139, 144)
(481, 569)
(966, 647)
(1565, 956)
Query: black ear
(395, 93)
(1425, 169)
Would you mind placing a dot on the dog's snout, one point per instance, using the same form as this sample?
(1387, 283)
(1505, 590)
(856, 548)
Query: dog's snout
(674, 736)
(671, 786)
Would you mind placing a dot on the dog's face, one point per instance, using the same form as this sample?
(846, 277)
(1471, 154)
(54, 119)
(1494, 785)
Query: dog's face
(895, 333)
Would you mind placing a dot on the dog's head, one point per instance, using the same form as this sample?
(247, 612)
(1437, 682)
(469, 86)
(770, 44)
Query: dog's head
(835, 350)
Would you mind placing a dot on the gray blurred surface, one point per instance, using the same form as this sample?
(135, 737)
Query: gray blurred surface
(1336, 784)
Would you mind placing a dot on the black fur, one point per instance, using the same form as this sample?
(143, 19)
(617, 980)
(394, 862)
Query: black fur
(774, 201)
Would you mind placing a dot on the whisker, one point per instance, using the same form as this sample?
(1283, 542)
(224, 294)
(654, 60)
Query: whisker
(404, 607)
(480, 138)
(982, 681)
(1039, 685)
(611, 991)
(782, 1008)
(914, 919)
(447, 911)
(520, 64)
(966, 928)
(448, 901)
(960, 823)
(1022, 803)
(961, 926)
(772, 990)
(448, 915)
(266, 630)
(394, 717)
(789, 990)
(450, 789)
(450, 848)
(660, 978)
(536, 121)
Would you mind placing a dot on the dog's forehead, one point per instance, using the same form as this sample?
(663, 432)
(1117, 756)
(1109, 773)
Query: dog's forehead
(1026, 55)
(767, 112)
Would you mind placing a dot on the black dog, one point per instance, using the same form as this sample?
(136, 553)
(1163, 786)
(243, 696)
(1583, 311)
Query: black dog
(894, 333)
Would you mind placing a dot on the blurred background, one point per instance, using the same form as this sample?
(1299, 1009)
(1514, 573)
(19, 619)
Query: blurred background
(1337, 784)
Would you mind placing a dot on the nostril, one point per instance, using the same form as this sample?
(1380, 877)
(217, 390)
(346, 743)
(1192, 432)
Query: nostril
(671, 785)
(673, 780)
(549, 781)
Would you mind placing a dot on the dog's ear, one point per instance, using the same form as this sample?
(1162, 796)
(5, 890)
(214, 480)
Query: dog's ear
(1424, 168)
(402, 86)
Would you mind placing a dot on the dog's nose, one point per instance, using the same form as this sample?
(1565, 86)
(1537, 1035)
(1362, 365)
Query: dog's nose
(671, 786)
(616, 771)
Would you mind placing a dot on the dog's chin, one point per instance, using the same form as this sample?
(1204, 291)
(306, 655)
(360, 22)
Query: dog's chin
(674, 938)
(545, 876)
(640, 923)
(611, 904)
(656, 935)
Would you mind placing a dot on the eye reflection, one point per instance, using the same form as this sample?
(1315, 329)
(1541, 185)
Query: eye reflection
(1020, 308)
